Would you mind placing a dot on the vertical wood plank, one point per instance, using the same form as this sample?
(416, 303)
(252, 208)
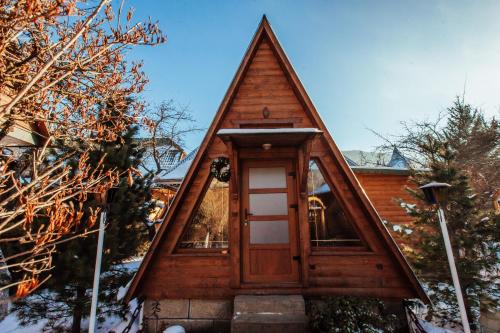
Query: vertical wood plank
(235, 219)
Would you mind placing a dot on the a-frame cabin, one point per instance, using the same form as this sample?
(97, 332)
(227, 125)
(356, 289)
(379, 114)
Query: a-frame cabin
(292, 219)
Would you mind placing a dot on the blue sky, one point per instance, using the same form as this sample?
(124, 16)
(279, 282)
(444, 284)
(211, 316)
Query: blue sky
(365, 64)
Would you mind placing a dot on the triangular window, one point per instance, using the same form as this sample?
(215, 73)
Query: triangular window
(328, 223)
(208, 227)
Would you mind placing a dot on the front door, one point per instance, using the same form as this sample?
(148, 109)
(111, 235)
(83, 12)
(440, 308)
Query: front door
(269, 222)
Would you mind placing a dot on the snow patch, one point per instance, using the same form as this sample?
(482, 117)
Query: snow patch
(408, 207)
(429, 328)
(175, 329)
(122, 291)
(10, 324)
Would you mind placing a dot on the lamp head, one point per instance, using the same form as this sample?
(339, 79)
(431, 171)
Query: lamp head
(104, 198)
(433, 191)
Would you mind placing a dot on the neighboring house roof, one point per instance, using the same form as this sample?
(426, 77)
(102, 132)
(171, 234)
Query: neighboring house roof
(366, 158)
(178, 170)
(148, 142)
(350, 161)
(398, 160)
(25, 135)
(380, 170)
(171, 153)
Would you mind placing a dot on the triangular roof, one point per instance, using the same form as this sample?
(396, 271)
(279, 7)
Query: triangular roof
(264, 31)
(398, 160)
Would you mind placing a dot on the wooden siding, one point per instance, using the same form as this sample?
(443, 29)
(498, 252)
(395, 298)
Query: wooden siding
(184, 276)
(265, 85)
(266, 81)
(384, 191)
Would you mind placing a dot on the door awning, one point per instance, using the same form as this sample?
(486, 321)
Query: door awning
(277, 137)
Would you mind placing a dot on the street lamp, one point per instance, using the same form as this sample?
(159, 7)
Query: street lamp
(433, 195)
(103, 200)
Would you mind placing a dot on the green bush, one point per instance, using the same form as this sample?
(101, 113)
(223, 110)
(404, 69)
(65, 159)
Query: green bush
(348, 314)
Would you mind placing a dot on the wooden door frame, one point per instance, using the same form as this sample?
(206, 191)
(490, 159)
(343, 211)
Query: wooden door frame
(293, 221)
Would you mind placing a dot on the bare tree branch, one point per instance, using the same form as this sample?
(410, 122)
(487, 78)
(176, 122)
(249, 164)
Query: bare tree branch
(61, 63)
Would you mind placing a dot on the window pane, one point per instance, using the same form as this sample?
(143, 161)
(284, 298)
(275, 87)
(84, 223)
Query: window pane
(329, 225)
(267, 178)
(268, 204)
(268, 232)
(209, 225)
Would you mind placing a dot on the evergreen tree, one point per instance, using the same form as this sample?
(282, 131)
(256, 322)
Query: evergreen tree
(67, 296)
(463, 152)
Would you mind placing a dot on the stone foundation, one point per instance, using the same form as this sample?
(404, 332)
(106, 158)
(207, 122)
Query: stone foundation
(195, 315)
(251, 314)
(269, 314)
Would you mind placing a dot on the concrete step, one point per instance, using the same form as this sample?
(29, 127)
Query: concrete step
(285, 304)
(269, 323)
(269, 314)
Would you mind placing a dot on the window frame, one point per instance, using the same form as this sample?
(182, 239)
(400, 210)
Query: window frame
(327, 250)
(203, 251)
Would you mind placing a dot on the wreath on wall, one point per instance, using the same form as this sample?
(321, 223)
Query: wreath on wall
(220, 169)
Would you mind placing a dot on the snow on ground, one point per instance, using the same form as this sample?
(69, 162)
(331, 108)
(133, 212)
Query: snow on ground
(122, 291)
(429, 328)
(11, 324)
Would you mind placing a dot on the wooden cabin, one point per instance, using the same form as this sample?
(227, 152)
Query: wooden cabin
(268, 208)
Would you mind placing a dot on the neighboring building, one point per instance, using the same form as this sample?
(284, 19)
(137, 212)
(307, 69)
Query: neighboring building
(25, 135)
(172, 178)
(22, 134)
(169, 154)
(268, 213)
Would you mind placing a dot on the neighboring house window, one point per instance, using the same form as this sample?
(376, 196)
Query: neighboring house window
(329, 225)
(208, 228)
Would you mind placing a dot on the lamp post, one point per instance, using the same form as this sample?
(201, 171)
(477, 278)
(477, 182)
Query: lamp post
(103, 200)
(433, 195)
(97, 273)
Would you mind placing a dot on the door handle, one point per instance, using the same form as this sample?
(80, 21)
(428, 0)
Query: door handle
(296, 258)
(245, 218)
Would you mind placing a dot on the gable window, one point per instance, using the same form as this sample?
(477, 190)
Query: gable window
(328, 223)
(208, 228)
